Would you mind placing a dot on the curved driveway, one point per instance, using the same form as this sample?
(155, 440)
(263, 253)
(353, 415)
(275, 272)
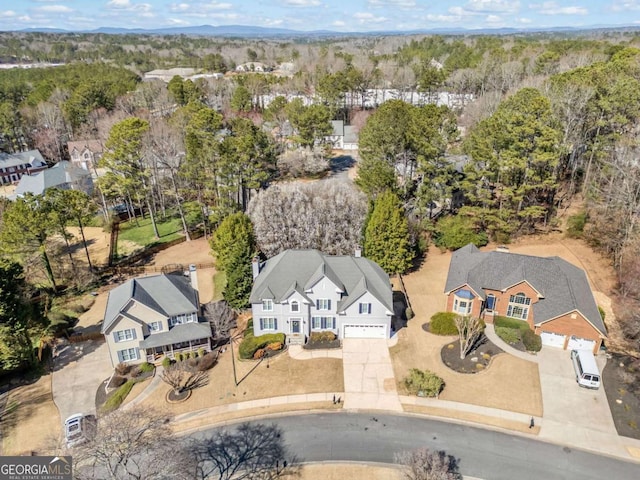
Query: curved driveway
(482, 453)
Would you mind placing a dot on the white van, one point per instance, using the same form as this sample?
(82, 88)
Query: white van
(587, 373)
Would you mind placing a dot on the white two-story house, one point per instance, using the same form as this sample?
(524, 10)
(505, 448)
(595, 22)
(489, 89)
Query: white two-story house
(149, 318)
(302, 291)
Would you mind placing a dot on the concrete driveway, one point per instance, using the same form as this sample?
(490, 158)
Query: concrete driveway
(79, 369)
(369, 382)
(574, 415)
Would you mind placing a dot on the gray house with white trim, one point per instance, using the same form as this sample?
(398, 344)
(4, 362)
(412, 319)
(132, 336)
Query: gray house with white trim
(151, 317)
(298, 292)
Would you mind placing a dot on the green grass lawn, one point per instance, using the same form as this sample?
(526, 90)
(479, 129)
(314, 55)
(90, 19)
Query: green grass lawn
(219, 282)
(143, 235)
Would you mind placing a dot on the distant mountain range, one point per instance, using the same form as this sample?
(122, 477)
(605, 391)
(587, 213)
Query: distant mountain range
(247, 31)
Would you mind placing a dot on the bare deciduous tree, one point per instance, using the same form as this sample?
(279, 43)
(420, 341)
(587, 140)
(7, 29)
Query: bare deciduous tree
(135, 443)
(221, 317)
(301, 162)
(181, 377)
(247, 452)
(469, 330)
(326, 215)
(424, 464)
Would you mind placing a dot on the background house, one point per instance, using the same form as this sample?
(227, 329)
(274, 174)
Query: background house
(14, 165)
(85, 153)
(62, 175)
(343, 137)
(302, 291)
(152, 317)
(550, 294)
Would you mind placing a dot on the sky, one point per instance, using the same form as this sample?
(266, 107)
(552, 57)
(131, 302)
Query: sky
(306, 15)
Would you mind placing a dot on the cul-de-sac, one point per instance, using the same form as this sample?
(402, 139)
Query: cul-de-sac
(319, 241)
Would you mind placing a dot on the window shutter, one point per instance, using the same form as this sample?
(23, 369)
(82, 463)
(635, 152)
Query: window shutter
(137, 353)
(261, 325)
(134, 333)
(368, 308)
(115, 337)
(120, 360)
(317, 304)
(328, 304)
(275, 323)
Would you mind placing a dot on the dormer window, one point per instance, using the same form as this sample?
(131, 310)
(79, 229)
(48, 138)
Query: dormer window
(267, 305)
(294, 306)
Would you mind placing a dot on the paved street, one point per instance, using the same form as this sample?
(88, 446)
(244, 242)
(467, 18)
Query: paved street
(482, 453)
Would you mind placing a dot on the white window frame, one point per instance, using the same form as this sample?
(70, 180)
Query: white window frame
(364, 308)
(297, 305)
(127, 352)
(267, 305)
(125, 335)
(322, 323)
(323, 304)
(182, 319)
(152, 326)
(272, 324)
(462, 309)
(518, 306)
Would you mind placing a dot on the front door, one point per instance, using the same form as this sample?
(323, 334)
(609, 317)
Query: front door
(295, 325)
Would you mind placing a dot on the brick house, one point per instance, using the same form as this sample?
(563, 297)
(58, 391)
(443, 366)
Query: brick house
(550, 294)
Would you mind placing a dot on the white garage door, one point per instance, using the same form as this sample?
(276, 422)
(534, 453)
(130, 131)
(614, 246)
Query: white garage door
(577, 343)
(365, 331)
(551, 339)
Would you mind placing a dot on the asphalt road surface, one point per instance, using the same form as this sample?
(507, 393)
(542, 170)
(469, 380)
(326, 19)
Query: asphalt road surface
(481, 453)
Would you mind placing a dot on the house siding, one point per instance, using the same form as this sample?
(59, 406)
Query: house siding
(124, 323)
(578, 326)
(378, 315)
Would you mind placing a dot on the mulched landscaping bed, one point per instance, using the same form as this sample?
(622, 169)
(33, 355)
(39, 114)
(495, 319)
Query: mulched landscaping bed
(476, 360)
(621, 380)
(322, 345)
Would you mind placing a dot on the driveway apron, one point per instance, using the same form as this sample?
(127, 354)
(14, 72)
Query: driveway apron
(574, 415)
(79, 369)
(369, 382)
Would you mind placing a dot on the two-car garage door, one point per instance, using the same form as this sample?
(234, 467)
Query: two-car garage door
(364, 331)
(551, 339)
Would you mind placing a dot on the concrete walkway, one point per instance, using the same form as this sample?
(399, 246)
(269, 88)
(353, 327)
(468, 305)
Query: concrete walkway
(155, 382)
(298, 353)
(369, 381)
(491, 334)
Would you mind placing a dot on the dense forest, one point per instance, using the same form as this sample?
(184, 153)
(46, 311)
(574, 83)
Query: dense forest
(548, 122)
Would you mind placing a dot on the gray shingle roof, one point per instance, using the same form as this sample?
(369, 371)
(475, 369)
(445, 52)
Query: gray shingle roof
(63, 174)
(167, 294)
(32, 157)
(179, 333)
(563, 286)
(299, 269)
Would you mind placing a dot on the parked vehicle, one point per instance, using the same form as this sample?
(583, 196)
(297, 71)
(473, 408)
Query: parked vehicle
(587, 373)
(79, 428)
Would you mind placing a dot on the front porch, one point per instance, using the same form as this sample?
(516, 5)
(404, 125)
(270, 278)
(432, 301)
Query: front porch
(187, 337)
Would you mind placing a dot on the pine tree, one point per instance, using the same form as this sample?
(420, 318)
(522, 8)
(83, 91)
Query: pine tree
(386, 238)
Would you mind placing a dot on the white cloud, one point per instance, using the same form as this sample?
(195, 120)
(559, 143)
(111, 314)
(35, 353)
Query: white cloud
(392, 3)
(492, 6)
(54, 9)
(622, 5)
(524, 20)
(301, 3)
(552, 8)
(366, 17)
(123, 4)
(338, 23)
(7, 14)
(493, 19)
(179, 7)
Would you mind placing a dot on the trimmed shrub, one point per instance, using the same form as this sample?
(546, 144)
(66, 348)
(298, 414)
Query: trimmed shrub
(409, 313)
(187, 355)
(192, 362)
(123, 369)
(201, 352)
(509, 335)
(178, 356)
(274, 347)
(258, 354)
(249, 330)
(322, 337)
(251, 344)
(116, 381)
(166, 362)
(507, 322)
(116, 399)
(423, 383)
(146, 367)
(206, 362)
(194, 354)
(442, 323)
(531, 341)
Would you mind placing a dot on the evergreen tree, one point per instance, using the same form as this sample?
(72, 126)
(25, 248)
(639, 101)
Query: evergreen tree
(386, 237)
(233, 241)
